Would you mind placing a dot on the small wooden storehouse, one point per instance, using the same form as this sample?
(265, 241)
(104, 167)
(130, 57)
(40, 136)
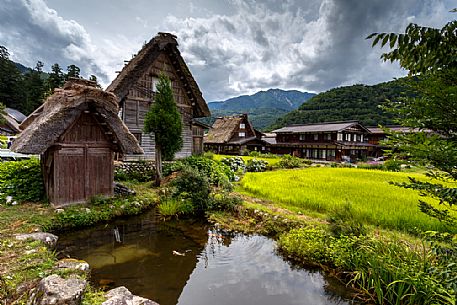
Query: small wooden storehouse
(76, 131)
(135, 87)
(232, 135)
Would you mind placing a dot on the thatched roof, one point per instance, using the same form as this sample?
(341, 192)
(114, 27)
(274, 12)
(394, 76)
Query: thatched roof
(224, 129)
(132, 72)
(46, 124)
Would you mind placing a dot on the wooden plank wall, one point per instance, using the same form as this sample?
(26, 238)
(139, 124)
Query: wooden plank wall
(138, 102)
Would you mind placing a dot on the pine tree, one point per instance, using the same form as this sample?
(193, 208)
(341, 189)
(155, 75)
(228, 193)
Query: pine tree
(56, 78)
(73, 71)
(11, 84)
(164, 120)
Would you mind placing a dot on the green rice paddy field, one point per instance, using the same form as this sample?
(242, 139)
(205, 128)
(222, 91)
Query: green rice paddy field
(318, 190)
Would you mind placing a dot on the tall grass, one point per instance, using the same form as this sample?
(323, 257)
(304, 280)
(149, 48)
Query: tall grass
(372, 199)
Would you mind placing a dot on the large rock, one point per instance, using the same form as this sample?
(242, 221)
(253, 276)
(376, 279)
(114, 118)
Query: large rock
(122, 296)
(54, 290)
(48, 239)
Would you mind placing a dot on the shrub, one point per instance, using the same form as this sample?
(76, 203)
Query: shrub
(22, 180)
(225, 201)
(236, 164)
(218, 173)
(255, 165)
(288, 161)
(209, 155)
(392, 165)
(193, 185)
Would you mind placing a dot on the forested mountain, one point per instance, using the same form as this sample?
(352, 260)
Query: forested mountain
(25, 88)
(357, 102)
(263, 107)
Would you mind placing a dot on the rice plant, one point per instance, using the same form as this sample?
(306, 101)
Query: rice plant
(373, 199)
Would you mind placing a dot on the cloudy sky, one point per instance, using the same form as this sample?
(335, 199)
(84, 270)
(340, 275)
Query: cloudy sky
(232, 47)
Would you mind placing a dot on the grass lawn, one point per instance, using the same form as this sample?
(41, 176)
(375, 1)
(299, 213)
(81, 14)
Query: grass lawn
(271, 161)
(319, 190)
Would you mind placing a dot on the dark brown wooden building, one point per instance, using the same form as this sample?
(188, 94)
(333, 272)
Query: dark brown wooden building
(76, 131)
(377, 135)
(334, 141)
(135, 87)
(232, 135)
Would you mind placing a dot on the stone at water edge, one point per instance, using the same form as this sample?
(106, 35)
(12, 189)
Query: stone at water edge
(50, 240)
(73, 264)
(122, 296)
(54, 290)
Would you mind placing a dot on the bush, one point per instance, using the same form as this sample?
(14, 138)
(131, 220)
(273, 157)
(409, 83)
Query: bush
(22, 180)
(193, 185)
(288, 161)
(255, 165)
(209, 155)
(392, 165)
(218, 173)
(225, 202)
(236, 164)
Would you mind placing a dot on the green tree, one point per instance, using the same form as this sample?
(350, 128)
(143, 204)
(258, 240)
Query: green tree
(164, 120)
(429, 54)
(11, 83)
(94, 79)
(56, 78)
(73, 71)
(34, 88)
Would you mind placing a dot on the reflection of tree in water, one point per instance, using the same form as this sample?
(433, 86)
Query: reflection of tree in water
(143, 261)
(216, 239)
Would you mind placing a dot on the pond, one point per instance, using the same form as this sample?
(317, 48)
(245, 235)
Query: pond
(188, 262)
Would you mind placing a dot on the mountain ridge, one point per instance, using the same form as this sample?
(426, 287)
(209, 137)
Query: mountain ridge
(263, 107)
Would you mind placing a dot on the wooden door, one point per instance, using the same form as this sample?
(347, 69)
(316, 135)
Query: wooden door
(99, 167)
(69, 181)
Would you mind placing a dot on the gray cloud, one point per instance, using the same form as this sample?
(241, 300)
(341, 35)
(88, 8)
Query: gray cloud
(233, 47)
(32, 31)
(310, 46)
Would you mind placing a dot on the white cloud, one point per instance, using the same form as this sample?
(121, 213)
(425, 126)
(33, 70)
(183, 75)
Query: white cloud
(32, 31)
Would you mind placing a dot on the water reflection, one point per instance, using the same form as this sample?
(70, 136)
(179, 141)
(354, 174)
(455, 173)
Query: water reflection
(187, 263)
(247, 271)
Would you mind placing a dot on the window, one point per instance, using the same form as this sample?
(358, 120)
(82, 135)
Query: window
(331, 153)
(316, 137)
(358, 138)
(154, 82)
(241, 134)
(322, 154)
(328, 136)
(348, 137)
(242, 126)
(302, 137)
(339, 137)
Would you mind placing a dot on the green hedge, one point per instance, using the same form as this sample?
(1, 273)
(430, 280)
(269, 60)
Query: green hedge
(22, 180)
